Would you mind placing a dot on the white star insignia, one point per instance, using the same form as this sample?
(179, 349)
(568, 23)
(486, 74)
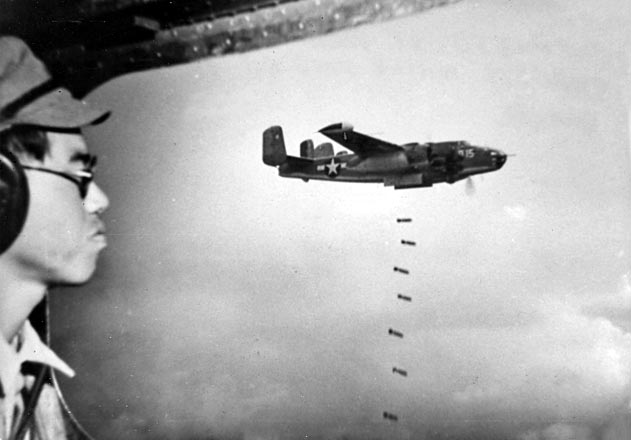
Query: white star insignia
(332, 167)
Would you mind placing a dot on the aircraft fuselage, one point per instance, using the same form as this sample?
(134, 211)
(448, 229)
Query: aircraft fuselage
(414, 167)
(402, 166)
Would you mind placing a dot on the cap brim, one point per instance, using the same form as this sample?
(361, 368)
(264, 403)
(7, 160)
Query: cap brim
(58, 109)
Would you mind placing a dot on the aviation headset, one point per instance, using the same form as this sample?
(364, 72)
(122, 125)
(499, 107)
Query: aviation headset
(14, 198)
(14, 192)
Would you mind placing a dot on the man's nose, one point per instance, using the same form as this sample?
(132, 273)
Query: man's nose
(96, 200)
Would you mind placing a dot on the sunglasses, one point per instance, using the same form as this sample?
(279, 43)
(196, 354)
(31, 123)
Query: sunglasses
(81, 178)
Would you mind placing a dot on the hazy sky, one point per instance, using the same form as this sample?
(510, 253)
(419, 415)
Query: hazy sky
(232, 303)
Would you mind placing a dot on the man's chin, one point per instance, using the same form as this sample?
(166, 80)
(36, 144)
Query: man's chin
(77, 277)
(69, 283)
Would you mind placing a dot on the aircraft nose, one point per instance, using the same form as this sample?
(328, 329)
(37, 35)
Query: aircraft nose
(500, 159)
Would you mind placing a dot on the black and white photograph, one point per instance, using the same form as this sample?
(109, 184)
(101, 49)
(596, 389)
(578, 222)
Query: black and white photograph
(315, 219)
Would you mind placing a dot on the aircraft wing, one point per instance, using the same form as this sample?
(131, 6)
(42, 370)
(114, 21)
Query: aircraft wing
(361, 144)
(86, 42)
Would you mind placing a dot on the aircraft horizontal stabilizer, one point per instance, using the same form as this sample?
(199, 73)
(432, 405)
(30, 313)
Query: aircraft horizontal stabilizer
(299, 161)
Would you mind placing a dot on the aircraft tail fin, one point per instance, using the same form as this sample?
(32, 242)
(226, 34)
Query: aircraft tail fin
(274, 153)
(324, 150)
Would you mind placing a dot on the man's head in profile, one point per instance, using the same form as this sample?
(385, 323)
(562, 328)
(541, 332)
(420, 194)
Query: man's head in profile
(50, 230)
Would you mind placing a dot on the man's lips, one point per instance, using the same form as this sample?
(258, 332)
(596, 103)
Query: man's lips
(99, 231)
(99, 238)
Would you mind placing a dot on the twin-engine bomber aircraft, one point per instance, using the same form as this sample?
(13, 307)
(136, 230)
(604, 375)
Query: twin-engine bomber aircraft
(409, 165)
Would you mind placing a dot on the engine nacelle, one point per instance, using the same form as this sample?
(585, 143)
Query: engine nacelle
(446, 150)
(416, 154)
(339, 127)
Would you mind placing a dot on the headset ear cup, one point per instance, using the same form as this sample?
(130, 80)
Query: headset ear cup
(14, 198)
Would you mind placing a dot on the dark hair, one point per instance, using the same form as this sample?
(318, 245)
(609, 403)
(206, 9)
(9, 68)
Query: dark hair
(25, 140)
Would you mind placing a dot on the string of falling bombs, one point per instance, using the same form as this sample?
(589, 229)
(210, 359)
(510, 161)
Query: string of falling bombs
(396, 333)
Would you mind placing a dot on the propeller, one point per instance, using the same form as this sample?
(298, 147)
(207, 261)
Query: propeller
(470, 187)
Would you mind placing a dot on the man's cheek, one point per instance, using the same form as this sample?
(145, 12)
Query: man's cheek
(58, 223)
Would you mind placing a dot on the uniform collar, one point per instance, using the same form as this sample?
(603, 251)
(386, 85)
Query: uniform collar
(32, 349)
